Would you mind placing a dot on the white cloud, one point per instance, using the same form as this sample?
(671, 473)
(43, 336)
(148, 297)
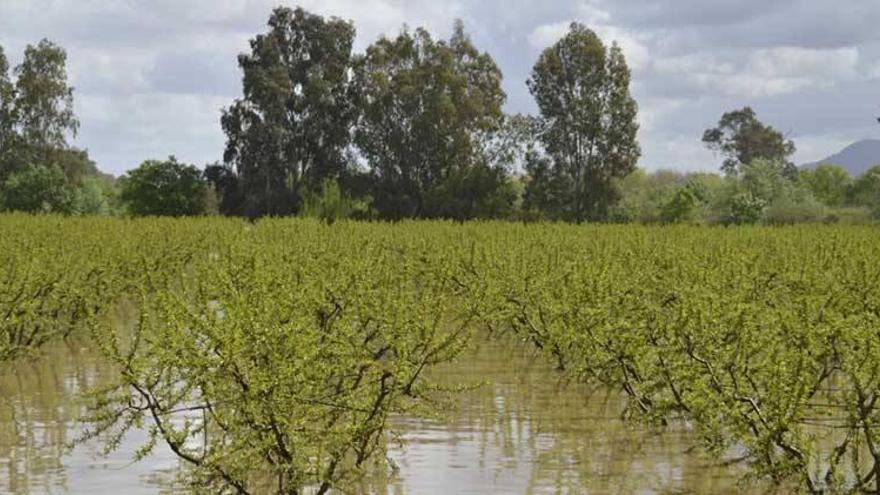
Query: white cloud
(633, 44)
(763, 72)
(668, 151)
(653, 111)
(830, 64)
(547, 34)
(105, 71)
(155, 125)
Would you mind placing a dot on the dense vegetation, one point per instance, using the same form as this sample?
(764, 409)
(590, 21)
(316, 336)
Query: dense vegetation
(253, 362)
(269, 356)
(39, 170)
(414, 127)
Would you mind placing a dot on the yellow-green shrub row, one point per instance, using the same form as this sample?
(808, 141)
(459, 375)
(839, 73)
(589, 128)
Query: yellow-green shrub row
(269, 355)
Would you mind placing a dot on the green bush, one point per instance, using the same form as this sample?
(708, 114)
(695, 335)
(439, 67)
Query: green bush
(851, 215)
(746, 208)
(331, 204)
(790, 212)
(38, 190)
(163, 188)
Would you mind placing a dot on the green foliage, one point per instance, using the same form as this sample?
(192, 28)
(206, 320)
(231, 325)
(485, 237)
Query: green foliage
(666, 197)
(43, 99)
(38, 170)
(7, 114)
(51, 279)
(37, 190)
(210, 203)
(546, 191)
(291, 128)
(39, 108)
(331, 204)
(865, 191)
(92, 197)
(762, 192)
(432, 129)
(587, 127)
(268, 369)
(793, 209)
(264, 369)
(163, 188)
(851, 215)
(684, 202)
(761, 340)
(747, 208)
(765, 179)
(828, 183)
(741, 138)
(225, 186)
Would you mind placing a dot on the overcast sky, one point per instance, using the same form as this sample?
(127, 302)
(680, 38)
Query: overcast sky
(151, 76)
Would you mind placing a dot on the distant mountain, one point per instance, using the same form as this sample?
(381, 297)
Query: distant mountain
(856, 158)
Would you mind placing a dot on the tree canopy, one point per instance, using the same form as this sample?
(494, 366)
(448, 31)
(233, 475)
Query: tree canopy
(587, 127)
(430, 112)
(163, 188)
(291, 128)
(39, 170)
(828, 183)
(741, 138)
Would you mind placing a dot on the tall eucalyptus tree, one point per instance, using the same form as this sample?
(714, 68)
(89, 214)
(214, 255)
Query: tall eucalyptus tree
(291, 129)
(587, 127)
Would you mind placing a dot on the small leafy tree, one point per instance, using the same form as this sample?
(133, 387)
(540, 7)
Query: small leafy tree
(765, 179)
(36, 121)
(762, 193)
(38, 189)
(865, 191)
(828, 183)
(225, 184)
(741, 138)
(331, 204)
(7, 113)
(92, 197)
(684, 203)
(42, 113)
(163, 188)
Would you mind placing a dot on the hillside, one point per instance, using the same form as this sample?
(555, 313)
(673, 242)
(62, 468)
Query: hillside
(855, 158)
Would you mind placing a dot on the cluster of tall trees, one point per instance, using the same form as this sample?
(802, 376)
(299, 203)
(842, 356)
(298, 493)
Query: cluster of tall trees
(415, 125)
(39, 170)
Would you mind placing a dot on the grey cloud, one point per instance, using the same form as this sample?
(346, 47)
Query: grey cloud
(678, 14)
(196, 72)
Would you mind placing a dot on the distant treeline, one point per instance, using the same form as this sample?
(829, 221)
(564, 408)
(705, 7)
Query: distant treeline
(414, 128)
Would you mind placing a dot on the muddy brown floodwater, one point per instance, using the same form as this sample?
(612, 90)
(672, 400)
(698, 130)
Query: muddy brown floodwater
(523, 431)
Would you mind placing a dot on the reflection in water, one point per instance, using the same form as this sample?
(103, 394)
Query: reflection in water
(523, 431)
(39, 404)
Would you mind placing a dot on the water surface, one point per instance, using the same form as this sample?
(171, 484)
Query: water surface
(523, 431)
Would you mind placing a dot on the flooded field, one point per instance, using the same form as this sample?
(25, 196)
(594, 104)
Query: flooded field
(521, 430)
